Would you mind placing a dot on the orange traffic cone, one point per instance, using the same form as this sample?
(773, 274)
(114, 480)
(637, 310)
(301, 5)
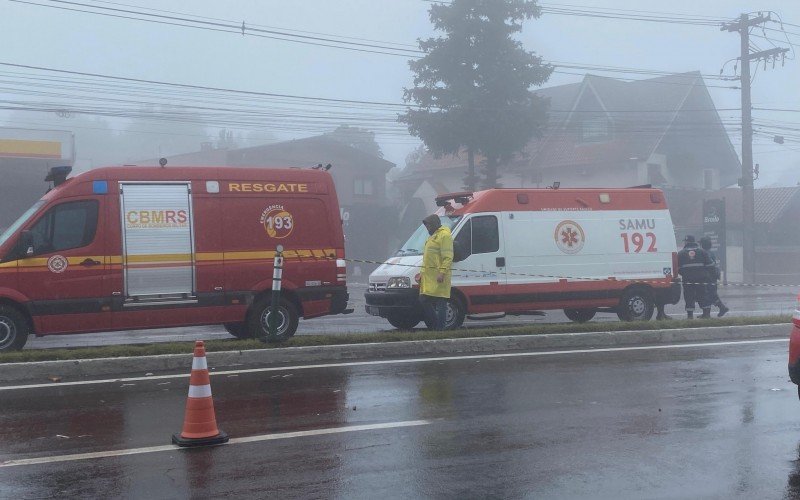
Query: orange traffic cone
(199, 424)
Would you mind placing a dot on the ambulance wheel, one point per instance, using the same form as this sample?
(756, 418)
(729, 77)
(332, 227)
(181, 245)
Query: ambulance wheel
(238, 330)
(403, 321)
(14, 329)
(636, 304)
(258, 325)
(456, 313)
(579, 315)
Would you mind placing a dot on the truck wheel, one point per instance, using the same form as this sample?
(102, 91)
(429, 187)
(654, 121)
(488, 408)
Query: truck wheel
(238, 330)
(258, 327)
(579, 315)
(636, 304)
(403, 321)
(14, 329)
(456, 313)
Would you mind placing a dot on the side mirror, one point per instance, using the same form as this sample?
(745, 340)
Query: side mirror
(26, 245)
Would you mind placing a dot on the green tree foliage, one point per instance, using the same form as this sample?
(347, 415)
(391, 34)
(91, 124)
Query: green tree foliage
(473, 86)
(356, 137)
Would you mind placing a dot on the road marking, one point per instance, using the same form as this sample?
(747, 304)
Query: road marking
(396, 362)
(242, 440)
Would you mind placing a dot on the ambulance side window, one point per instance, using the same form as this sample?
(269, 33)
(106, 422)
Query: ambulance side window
(485, 234)
(66, 226)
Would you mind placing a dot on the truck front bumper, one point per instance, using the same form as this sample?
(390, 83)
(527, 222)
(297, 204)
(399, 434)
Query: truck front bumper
(398, 301)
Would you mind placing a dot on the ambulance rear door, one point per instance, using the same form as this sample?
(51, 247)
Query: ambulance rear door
(158, 254)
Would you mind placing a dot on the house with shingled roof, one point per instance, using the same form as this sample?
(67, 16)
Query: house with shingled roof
(604, 132)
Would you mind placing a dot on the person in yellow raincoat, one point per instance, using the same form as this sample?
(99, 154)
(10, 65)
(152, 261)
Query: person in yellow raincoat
(436, 272)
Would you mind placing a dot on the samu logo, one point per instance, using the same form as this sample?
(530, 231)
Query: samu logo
(277, 222)
(569, 237)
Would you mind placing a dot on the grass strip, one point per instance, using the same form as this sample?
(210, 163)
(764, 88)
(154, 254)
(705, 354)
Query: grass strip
(117, 351)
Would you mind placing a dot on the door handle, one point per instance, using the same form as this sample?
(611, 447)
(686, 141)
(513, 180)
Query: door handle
(500, 262)
(90, 262)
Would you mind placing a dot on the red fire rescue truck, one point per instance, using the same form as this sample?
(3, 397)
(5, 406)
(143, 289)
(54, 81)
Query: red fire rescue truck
(521, 251)
(137, 247)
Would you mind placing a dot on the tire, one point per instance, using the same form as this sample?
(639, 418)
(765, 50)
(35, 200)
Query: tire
(580, 315)
(238, 330)
(259, 314)
(14, 329)
(456, 313)
(404, 320)
(636, 304)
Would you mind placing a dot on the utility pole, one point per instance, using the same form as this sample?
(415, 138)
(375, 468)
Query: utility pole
(742, 26)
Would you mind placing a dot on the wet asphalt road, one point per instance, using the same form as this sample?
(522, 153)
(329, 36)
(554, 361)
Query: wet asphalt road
(742, 301)
(702, 422)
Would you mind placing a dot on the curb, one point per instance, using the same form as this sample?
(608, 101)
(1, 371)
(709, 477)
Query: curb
(69, 370)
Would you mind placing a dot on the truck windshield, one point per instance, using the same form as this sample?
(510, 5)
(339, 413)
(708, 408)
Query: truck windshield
(416, 242)
(19, 222)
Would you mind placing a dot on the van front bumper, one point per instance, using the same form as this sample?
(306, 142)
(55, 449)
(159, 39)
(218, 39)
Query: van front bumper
(399, 301)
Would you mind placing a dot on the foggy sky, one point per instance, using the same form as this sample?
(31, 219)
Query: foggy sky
(52, 38)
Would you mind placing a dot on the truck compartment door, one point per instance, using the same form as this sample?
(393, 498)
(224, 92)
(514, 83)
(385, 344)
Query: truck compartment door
(158, 241)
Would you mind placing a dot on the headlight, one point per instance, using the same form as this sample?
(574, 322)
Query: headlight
(402, 282)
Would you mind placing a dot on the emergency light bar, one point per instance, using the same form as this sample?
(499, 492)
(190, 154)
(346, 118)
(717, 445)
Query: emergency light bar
(57, 175)
(461, 198)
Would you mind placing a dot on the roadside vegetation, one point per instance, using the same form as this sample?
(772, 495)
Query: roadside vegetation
(117, 351)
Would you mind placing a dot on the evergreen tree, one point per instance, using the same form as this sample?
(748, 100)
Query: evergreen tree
(473, 86)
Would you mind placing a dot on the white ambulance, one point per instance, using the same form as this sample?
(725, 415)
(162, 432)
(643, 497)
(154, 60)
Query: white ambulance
(523, 251)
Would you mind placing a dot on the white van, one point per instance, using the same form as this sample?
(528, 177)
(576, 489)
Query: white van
(523, 251)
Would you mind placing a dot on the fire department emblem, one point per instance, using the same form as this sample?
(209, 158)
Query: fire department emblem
(57, 264)
(569, 237)
(277, 221)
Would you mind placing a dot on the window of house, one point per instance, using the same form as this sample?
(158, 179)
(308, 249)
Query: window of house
(66, 226)
(596, 129)
(364, 187)
(708, 179)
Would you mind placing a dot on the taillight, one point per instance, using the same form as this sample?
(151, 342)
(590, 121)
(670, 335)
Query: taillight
(341, 266)
(796, 315)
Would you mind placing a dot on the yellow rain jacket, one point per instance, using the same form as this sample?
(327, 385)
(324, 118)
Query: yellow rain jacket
(437, 258)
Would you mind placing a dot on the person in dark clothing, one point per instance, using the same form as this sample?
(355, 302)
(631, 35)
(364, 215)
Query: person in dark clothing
(714, 273)
(693, 264)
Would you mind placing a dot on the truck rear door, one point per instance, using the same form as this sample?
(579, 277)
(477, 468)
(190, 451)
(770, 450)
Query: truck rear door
(158, 255)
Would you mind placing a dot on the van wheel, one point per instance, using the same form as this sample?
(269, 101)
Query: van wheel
(456, 313)
(579, 315)
(636, 304)
(288, 318)
(403, 320)
(14, 329)
(238, 330)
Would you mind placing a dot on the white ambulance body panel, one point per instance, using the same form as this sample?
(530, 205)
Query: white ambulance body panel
(549, 246)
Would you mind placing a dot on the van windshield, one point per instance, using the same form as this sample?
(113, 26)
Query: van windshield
(416, 242)
(19, 222)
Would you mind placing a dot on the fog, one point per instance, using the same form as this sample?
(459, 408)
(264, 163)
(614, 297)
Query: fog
(130, 125)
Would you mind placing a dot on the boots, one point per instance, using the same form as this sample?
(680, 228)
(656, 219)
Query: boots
(706, 313)
(722, 310)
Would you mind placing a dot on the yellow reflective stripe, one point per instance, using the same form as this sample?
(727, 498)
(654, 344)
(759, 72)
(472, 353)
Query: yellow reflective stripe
(162, 257)
(248, 255)
(178, 257)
